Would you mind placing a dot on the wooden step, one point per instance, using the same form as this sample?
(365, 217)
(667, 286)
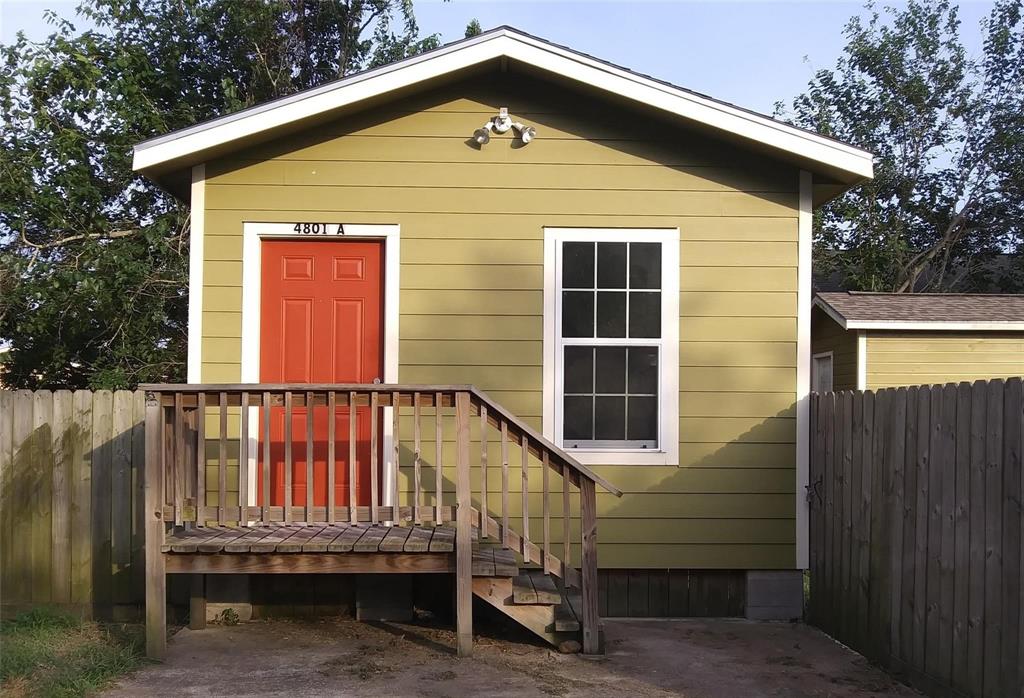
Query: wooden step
(535, 587)
(494, 562)
(565, 618)
(547, 592)
(537, 618)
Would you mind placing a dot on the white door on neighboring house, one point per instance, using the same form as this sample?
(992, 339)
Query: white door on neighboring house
(821, 372)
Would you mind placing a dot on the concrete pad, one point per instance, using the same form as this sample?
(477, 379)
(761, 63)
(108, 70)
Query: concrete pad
(342, 657)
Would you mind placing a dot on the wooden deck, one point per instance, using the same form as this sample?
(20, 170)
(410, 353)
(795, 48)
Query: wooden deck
(425, 527)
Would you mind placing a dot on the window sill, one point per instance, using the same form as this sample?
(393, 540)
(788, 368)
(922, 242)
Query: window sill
(623, 457)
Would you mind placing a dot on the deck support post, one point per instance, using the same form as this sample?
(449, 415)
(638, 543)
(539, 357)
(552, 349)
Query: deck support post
(197, 603)
(588, 566)
(156, 579)
(463, 532)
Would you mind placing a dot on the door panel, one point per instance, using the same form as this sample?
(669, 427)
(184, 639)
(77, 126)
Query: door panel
(321, 321)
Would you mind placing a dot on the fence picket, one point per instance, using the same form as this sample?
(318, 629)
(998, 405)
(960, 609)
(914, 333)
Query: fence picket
(916, 552)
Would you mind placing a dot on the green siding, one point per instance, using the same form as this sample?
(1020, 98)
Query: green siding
(917, 358)
(827, 335)
(472, 226)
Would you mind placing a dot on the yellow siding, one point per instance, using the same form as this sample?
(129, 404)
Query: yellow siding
(827, 335)
(916, 358)
(472, 227)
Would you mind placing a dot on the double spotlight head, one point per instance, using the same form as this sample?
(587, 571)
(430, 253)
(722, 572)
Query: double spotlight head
(502, 123)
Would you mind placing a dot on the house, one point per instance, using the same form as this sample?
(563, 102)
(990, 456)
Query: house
(867, 341)
(622, 264)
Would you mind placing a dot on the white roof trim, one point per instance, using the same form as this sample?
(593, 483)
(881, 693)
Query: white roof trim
(938, 325)
(919, 325)
(520, 47)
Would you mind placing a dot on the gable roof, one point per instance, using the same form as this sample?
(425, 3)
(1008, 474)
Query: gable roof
(841, 165)
(857, 310)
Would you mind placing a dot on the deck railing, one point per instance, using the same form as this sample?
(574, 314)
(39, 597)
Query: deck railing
(212, 453)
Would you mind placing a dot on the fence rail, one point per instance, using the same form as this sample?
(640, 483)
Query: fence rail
(916, 554)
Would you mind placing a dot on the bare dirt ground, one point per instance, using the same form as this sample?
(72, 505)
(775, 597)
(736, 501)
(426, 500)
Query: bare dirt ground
(342, 657)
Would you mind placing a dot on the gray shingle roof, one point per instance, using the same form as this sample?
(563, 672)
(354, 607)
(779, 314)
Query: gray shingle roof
(858, 306)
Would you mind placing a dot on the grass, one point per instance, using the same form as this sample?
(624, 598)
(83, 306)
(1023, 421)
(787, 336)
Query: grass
(49, 653)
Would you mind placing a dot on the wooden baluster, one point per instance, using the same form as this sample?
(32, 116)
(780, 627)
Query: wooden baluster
(177, 459)
(332, 414)
(309, 458)
(416, 514)
(566, 550)
(395, 469)
(463, 531)
(483, 471)
(524, 446)
(222, 460)
(353, 514)
(546, 504)
(373, 458)
(588, 564)
(243, 462)
(504, 484)
(266, 459)
(200, 458)
(288, 456)
(438, 467)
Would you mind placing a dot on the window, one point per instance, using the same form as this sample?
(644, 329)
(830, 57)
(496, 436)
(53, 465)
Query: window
(821, 372)
(611, 357)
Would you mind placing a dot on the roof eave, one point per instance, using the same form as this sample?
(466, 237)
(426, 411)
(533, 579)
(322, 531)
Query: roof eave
(157, 156)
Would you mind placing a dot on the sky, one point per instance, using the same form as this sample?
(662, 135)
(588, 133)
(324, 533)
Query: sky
(749, 53)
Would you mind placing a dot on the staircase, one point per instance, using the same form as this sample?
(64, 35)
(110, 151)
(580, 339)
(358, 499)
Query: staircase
(478, 527)
(528, 596)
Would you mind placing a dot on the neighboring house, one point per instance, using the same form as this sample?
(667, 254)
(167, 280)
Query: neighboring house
(867, 341)
(633, 279)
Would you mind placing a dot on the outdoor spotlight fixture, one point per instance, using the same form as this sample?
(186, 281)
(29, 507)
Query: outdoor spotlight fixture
(502, 123)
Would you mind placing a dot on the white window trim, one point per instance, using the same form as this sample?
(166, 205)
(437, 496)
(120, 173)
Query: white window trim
(814, 375)
(668, 397)
(252, 250)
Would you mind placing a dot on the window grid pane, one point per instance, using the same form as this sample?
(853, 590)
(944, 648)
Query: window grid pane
(601, 286)
(612, 306)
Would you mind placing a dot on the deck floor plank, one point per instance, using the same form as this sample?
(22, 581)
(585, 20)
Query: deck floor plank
(348, 538)
(322, 540)
(370, 541)
(295, 542)
(419, 539)
(443, 540)
(216, 544)
(394, 540)
(269, 543)
(242, 545)
(187, 541)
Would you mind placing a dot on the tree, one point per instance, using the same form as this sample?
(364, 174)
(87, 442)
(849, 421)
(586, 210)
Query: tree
(473, 28)
(946, 206)
(93, 259)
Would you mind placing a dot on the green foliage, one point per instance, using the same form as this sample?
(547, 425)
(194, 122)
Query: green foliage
(946, 206)
(49, 653)
(228, 616)
(93, 259)
(473, 28)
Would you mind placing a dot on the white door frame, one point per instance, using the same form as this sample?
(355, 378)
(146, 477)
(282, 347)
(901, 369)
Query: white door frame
(252, 273)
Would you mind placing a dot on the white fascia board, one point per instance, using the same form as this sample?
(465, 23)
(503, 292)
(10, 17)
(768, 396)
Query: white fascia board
(937, 325)
(528, 50)
(831, 312)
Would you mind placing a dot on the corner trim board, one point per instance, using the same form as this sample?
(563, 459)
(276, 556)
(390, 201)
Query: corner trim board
(803, 367)
(862, 360)
(197, 230)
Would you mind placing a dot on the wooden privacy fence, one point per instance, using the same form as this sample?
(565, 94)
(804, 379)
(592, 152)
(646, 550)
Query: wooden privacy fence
(916, 552)
(71, 500)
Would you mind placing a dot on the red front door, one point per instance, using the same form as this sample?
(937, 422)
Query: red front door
(321, 321)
